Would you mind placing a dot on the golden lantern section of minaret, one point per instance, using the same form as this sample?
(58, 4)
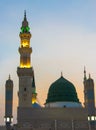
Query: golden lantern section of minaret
(25, 50)
(25, 39)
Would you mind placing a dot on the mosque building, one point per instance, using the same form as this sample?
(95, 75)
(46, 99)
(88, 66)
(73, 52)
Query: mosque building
(63, 109)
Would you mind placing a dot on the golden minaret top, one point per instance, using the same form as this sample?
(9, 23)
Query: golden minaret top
(25, 50)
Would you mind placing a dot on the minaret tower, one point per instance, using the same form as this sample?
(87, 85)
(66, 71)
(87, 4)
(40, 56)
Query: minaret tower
(89, 94)
(25, 70)
(34, 94)
(8, 103)
(85, 91)
(89, 99)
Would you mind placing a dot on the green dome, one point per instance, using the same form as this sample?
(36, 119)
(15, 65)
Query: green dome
(62, 90)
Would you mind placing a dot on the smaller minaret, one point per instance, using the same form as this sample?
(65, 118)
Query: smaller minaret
(89, 99)
(90, 96)
(85, 74)
(34, 94)
(85, 91)
(8, 103)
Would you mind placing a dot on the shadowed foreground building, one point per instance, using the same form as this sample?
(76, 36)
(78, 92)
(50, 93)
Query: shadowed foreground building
(63, 110)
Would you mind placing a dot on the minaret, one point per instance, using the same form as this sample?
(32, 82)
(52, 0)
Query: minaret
(85, 89)
(34, 94)
(8, 103)
(25, 70)
(90, 96)
(89, 99)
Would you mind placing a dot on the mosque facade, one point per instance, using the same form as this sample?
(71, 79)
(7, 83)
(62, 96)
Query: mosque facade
(63, 110)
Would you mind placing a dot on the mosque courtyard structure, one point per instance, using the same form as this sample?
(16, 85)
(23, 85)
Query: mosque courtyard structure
(63, 109)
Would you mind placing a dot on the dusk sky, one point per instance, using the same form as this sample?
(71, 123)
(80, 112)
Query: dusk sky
(63, 39)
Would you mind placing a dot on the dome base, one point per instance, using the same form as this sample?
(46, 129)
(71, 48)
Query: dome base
(63, 104)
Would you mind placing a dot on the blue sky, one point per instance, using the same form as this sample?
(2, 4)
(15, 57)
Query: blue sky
(64, 39)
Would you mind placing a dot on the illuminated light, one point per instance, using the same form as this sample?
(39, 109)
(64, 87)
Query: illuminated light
(88, 118)
(33, 101)
(25, 29)
(8, 119)
(11, 119)
(24, 66)
(22, 29)
(34, 98)
(92, 118)
(95, 118)
(24, 44)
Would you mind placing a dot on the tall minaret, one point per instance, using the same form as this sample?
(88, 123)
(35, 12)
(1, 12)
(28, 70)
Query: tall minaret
(89, 99)
(8, 103)
(25, 70)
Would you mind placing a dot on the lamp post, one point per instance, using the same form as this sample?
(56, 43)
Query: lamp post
(91, 122)
(8, 121)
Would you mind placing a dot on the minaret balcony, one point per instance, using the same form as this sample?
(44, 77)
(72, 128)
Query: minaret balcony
(27, 35)
(25, 71)
(25, 50)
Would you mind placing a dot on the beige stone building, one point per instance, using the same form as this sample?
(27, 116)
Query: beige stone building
(52, 119)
